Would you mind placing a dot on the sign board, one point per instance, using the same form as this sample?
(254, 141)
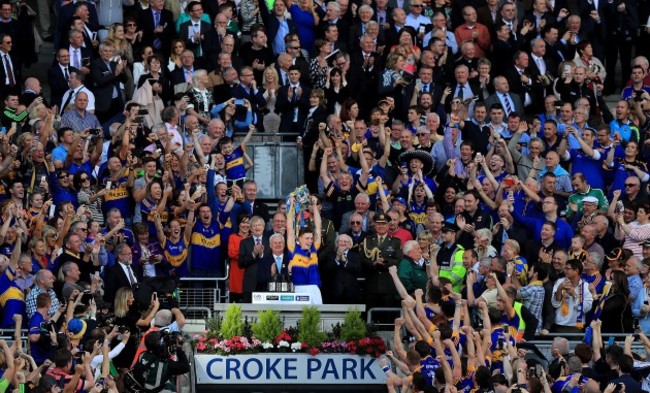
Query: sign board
(281, 298)
(288, 369)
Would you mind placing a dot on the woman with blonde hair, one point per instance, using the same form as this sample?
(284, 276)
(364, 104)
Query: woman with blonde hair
(122, 48)
(178, 46)
(270, 81)
(200, 97)
(127, 315)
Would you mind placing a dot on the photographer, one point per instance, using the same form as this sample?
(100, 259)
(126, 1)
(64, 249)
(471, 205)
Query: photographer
(162, 322)
(162, 360)
(42, 330)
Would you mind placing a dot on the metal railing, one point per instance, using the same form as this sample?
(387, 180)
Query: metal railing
(202, 300)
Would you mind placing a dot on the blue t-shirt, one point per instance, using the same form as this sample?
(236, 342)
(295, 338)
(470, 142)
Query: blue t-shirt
(38, 349)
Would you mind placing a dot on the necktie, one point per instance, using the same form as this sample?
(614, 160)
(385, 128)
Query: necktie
(77, 62)
(278, 263)
(67, 101)
(257, 241)
(425, 88)
(381, 240)
(10, 72)
(157, 43)
(131, 276)
(188, 76)
(295, 94)
(506, 100)
(540, 65)
(461, 93)
(65, 73)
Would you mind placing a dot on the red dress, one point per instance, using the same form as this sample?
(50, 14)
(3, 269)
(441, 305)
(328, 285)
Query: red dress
(236, 273)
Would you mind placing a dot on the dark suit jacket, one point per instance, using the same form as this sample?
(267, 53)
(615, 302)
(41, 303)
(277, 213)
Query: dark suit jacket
(116, 278)
(264, 269)
(502, 53)
(473, 85)
(493, 99)
(104, 80)
(250, 263)
(29, 96)
(194, 46)
(364, 84)
(343, 287)
(285, 107)
(272, 24)
(356, 33)
(58, 83)
(146, 23)
(534, 89)
(17, 75)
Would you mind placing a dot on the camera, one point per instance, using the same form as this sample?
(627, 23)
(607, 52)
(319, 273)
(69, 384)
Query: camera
(97, 131)
(122, 329)
(171, 340)
(46, 327)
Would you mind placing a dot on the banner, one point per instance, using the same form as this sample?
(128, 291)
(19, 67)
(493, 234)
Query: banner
(288, 368)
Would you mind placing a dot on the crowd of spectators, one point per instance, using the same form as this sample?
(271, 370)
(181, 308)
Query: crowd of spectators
(460, 155)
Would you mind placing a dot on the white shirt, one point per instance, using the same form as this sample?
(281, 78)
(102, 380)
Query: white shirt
(91, 97)
(583, 297)
(126, 269)
(540, 64)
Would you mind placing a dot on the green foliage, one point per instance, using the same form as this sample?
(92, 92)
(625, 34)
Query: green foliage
(310, 324)
(268, 326)
(213, 326)
(233, 324)
(353, 328)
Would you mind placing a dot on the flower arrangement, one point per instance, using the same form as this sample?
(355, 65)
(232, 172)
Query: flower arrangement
(351, 338)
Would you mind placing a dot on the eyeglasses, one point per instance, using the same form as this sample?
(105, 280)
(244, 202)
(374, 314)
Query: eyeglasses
(422, 133)
(246, 75)
(355, 222)
(83, 229)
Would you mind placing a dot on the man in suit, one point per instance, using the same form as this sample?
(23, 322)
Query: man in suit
(378, 253)
(276, 24)
(194, 31)
(31, 92)
(398, 21)
(80, 56)
(10, 70)
(185, 73)
(297, 59)
(462, 87)
(58, 75)
(356, 232)
(275, 265)
(332, 36)
(157, 25)
(293, 102)
(107, 77)
(361, 208)
(510, 102)
(542, 64)
(593, 17)
(554, 48)
(84, 9)
(524, 81)
(341, 270)
(122, 274)
(251, 251)
(488, 15)
(76, 84)
(357, 30)
(333, 16)
(365, 66)
(247, 89)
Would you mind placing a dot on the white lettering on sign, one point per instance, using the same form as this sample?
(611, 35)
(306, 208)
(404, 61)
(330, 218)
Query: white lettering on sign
(269, 369)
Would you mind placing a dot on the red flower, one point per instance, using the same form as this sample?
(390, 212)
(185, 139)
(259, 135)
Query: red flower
(304, 345)
(314, 351)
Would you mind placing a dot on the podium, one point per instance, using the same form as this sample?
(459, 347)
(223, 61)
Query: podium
(281, 298)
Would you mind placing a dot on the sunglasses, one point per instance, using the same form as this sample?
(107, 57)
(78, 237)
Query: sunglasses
(630, 185)
(63, 176)
(355, 222)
